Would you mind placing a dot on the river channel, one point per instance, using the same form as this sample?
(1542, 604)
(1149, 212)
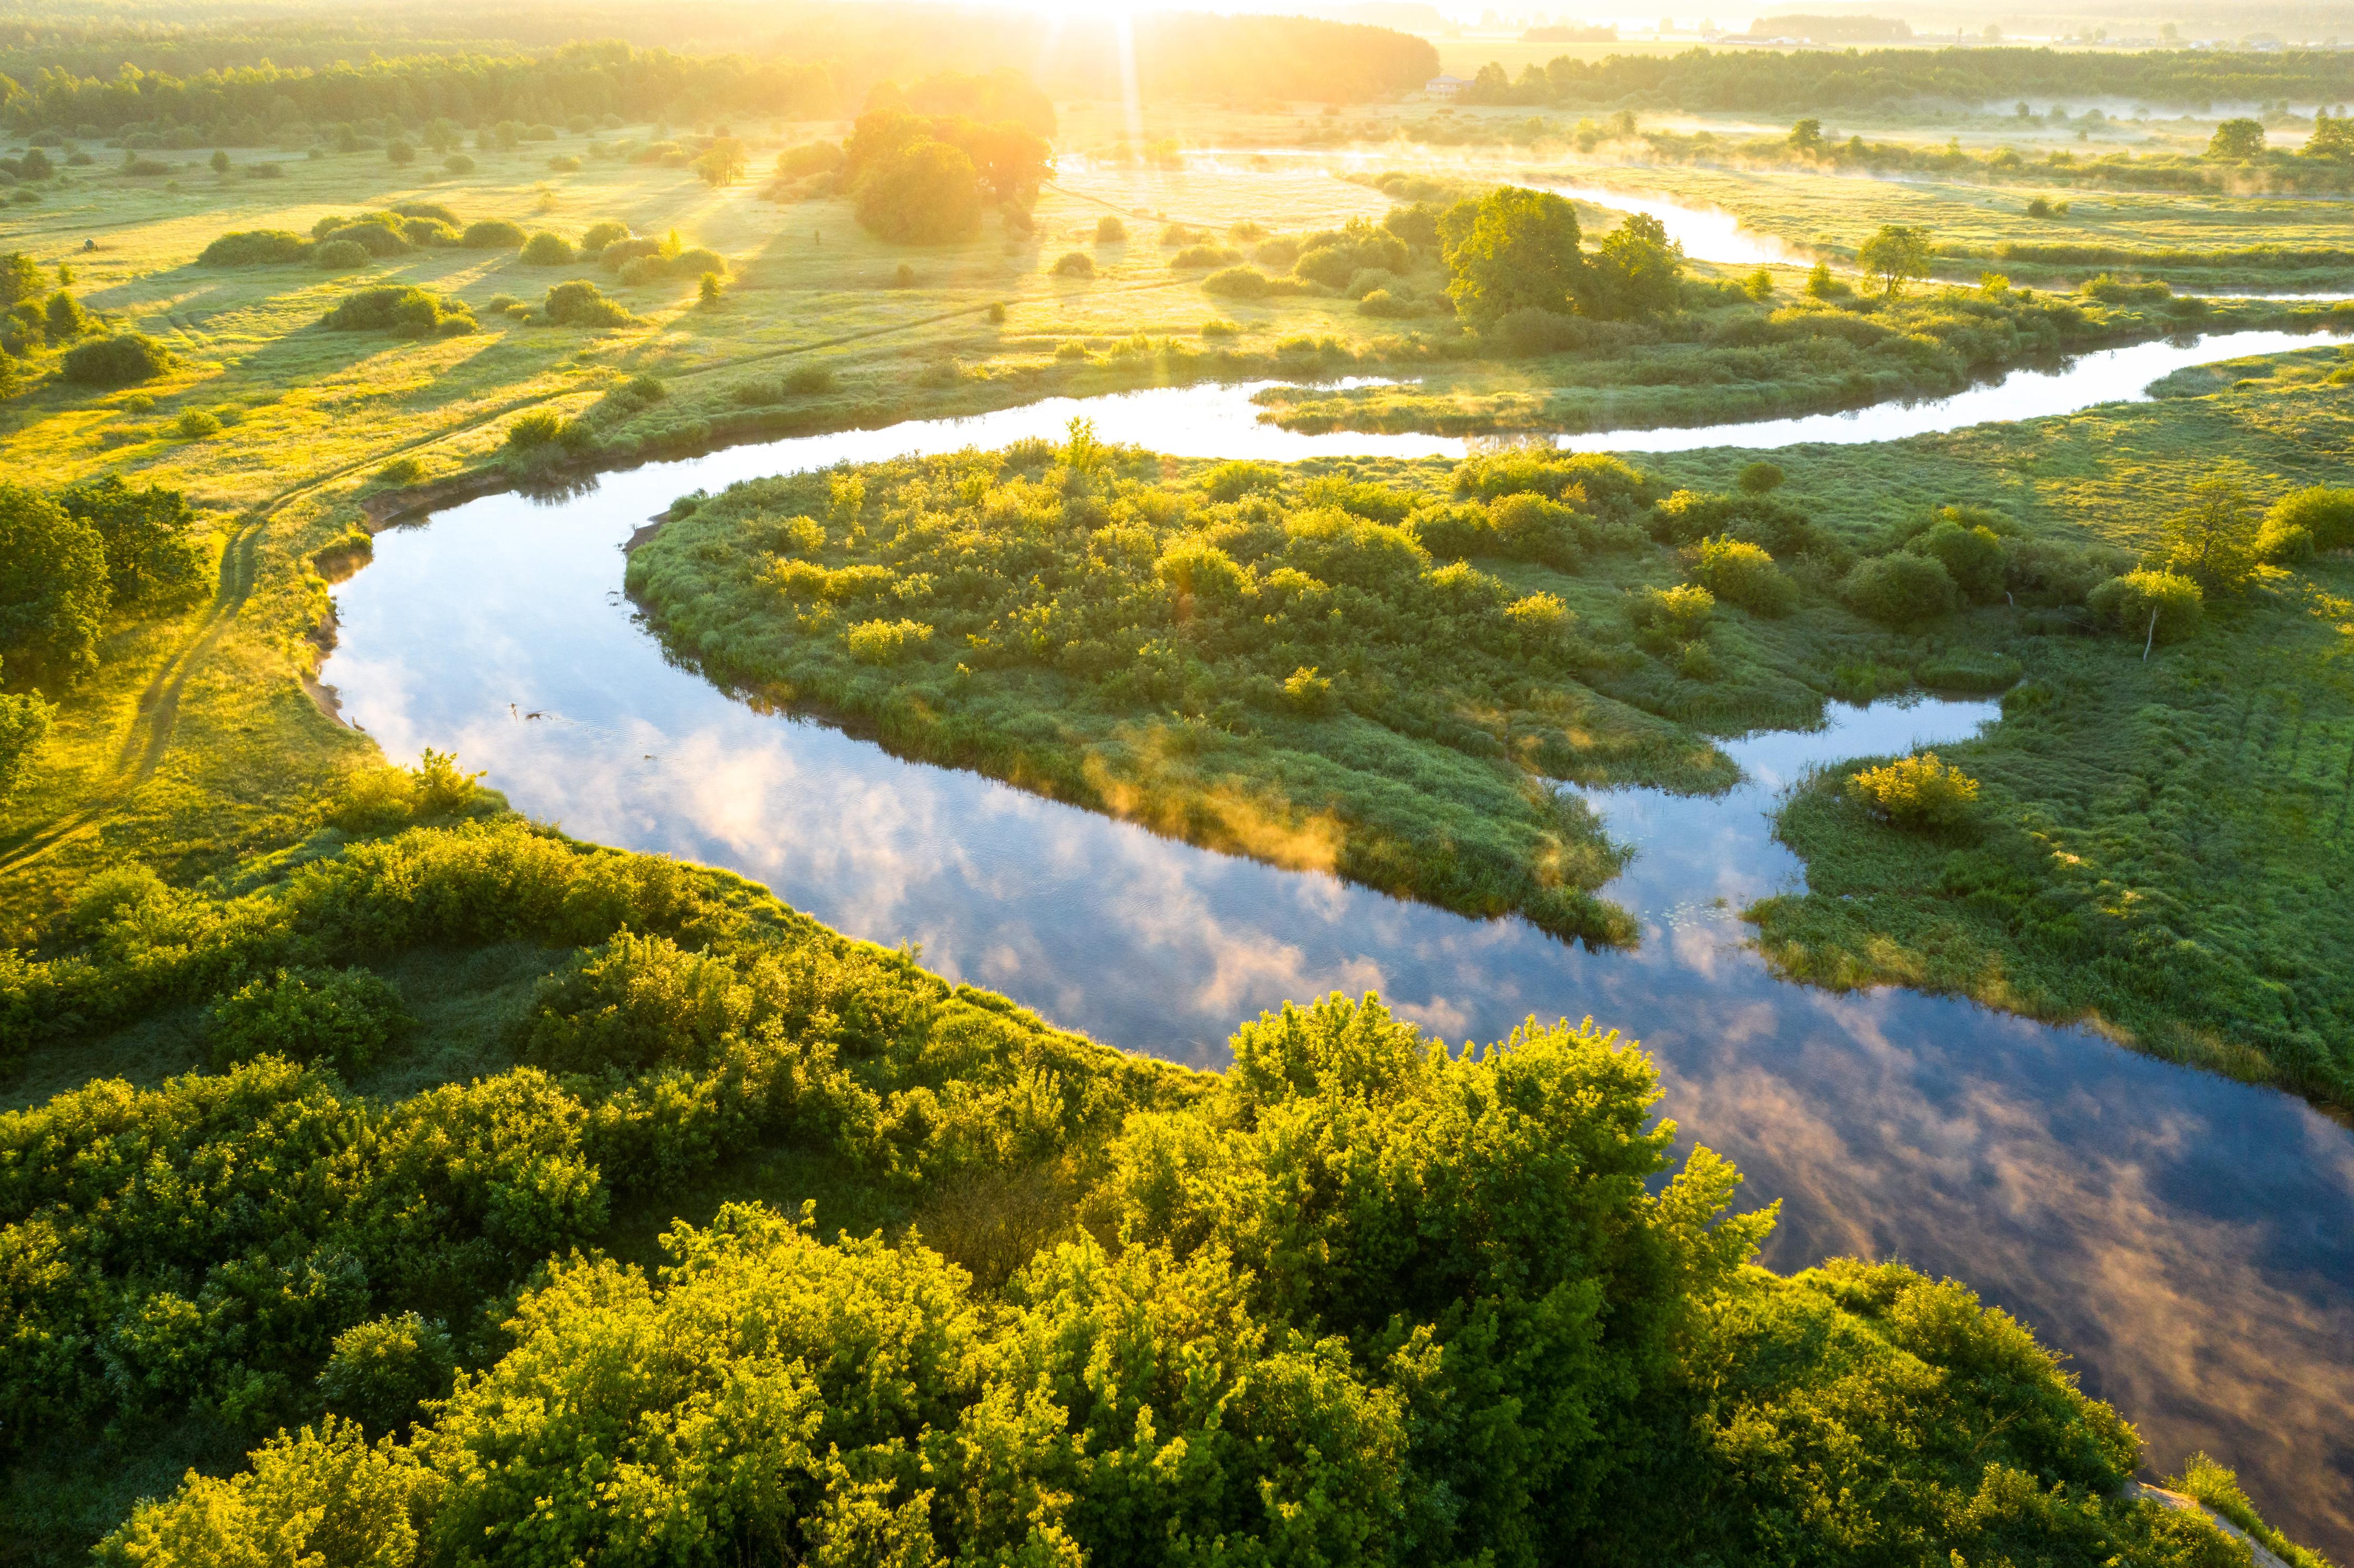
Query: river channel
(2188, 1239)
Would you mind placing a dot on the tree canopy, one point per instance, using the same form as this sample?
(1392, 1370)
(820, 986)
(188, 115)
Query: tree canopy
(1514, 249)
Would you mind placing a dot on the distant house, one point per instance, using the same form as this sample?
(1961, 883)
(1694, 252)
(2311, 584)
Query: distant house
(1444, 85)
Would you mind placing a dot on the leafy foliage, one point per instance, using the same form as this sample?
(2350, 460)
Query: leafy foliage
(1916, 791)
(53, 589)
(119, 359)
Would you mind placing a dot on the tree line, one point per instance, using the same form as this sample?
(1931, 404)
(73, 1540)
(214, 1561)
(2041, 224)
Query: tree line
(591, 78)
(1799, 81)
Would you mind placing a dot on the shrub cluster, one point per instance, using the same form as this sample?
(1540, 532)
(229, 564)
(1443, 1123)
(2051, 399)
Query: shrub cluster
(403, 311)
(1916, 791)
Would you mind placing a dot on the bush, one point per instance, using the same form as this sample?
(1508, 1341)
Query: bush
(1917, 791)
(343, 1017)
(2147, 604)
(492, 234)
(1759, 477)
(255, 248)
(423, 232)
(581, 303)
(458, 164)
(376, 235)
(1109, 230)
(886, 641)
(1901, 588)
(1239, 284)
(1972, 556)
(545, 250)
(1744, 574)
(1075, 264)
(2325, 512)
(534, 430)
(196, 424)
(399, 309)
(1681, 612)
(600, 234)
(340, 255)
(382, 1370)
(1200, 256)
(810, 378)
(616, 254)
(118, 361)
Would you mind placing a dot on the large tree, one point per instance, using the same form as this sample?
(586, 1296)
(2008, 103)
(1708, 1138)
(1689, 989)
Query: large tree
(924, 193)
(2237, 139)
(152, 557)
(53, 588)
(1897, 255)
(1635, 271)
(1516, 249)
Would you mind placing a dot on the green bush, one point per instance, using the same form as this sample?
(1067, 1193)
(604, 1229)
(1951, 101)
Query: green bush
(885, 641)
(2325, 512)
(423, 231)
(344, 1018)
(547, 250)
(196, 424)
(1917, 791)
(2149, 604)
(1111, 231)
(1901, 588)
(382, 1370)
(255, 248)
(600, 234)
(401, 309)
(1741, 573)
(581, 303)
(1682, 611)
(492, 234)
(1075, 264)
(535, 430)
(1239, 284)
(120, 360)
(1195, 256)
(340, 255)
(1972, 555)
(376, 236)
(808, 379)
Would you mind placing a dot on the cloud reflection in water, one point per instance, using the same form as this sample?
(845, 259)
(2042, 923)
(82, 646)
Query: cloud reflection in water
(2187, 1237)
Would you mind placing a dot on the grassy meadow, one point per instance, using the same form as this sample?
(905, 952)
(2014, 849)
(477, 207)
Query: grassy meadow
(1353, 666)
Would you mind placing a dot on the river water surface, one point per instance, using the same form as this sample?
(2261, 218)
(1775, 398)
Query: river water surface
(2186, 1238)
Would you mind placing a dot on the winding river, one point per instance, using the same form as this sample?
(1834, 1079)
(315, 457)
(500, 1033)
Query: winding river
(2186, 1238)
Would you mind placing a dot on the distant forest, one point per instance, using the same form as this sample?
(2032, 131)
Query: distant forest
(233, 86)
(1789, 82)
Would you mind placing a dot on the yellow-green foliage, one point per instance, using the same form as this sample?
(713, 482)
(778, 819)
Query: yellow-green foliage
(1916, 791)
(2161, 604)
(1681, 612)
(1268, 660)
(886, 641)
(1285, 1312)
(1744, 574)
